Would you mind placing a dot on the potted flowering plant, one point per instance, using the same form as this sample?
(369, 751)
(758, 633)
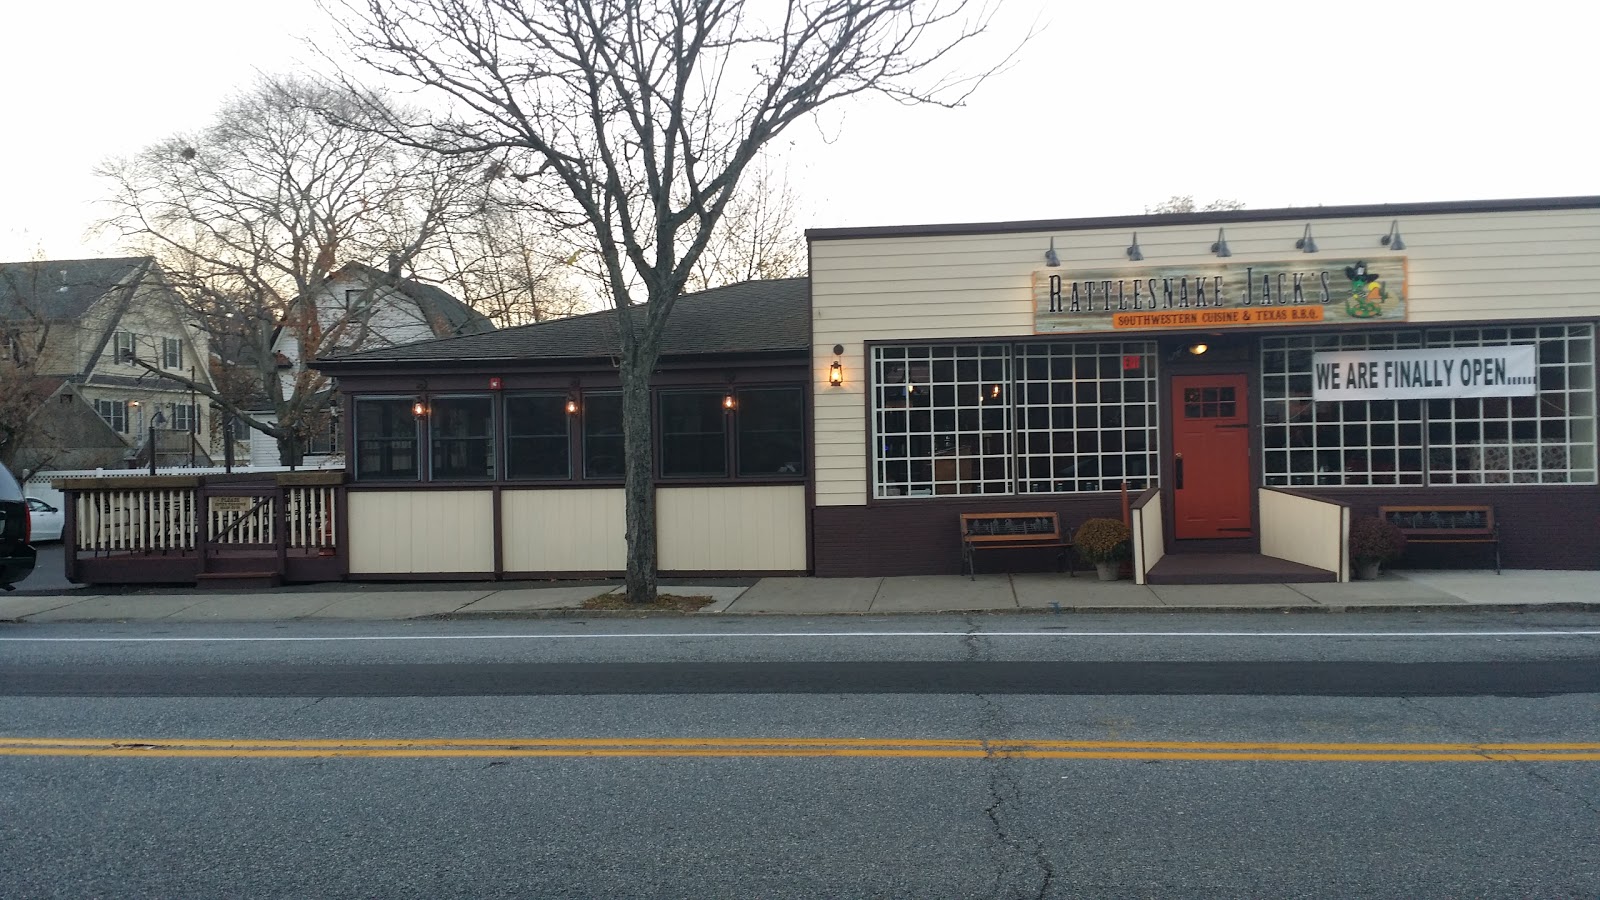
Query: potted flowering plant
(1104, 542)
(1374, 541)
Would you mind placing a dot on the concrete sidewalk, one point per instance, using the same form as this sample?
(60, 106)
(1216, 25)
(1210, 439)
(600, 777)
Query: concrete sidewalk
(817, 596)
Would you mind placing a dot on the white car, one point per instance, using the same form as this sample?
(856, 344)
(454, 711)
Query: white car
(47, 520)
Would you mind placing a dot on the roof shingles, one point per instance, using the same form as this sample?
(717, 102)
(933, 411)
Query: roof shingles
(749, 317)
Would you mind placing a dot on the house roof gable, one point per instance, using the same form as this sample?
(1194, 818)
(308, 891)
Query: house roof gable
(58, 290)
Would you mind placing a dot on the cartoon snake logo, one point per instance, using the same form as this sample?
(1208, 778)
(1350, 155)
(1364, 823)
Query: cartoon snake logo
(1367, 293)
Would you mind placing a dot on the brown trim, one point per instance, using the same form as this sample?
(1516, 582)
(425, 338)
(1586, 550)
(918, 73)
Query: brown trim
(1380, 210)
(1305, 496)
(496, 535)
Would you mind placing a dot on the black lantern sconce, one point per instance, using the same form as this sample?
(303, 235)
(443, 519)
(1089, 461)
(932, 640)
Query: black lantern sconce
(836, 371)
(419, 407)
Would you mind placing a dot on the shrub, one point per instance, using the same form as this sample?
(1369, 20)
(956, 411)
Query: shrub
(1375, 540)
(1102, 540)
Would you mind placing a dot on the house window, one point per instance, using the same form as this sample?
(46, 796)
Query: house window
(357, 299)
(538, 442)
(462, 434)
(694, 434)
(386, 439)
(771, 426)
(122, 348)
(941, 419)
(324, 440)
(171, 353)
(115, 412)
(602, 435)
(183, 418)
(1086, 416)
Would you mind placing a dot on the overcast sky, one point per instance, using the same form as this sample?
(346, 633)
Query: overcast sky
(1114, 107)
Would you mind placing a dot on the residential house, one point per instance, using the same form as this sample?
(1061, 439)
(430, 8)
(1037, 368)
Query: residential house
(87, 340)
(358, 308)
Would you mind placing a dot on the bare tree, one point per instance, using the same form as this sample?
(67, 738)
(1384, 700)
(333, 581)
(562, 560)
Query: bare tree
(503, 261)
(24, 338)
(251, 216)
(759, 235)
(1184, 203)
(639, 119)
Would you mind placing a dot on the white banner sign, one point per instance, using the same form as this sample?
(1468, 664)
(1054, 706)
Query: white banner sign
(1414, 374)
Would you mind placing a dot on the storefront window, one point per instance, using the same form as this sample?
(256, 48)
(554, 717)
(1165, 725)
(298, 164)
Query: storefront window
(942, 420)
(462, 433)
(386, 438)
(1086, 416)
(537, 442)
(602, 435)
(771, 431)
(1350, 442)
(1544, 439)
(694, 434)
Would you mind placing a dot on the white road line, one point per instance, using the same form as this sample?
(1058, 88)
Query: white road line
(271, 639)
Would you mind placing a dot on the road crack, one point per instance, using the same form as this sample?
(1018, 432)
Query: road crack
(1005, 793)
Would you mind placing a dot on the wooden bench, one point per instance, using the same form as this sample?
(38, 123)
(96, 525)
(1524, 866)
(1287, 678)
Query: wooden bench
(1446, 525)
(1011, 530)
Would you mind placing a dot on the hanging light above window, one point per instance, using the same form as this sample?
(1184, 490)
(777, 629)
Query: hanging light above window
(419, 408)
(572, 404)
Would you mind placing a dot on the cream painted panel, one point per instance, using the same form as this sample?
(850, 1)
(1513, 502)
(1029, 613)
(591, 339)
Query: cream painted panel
(578, 530)
(716, 529)
(1303, 530)
(1152, 542)
(1461, 266)
(397, 532)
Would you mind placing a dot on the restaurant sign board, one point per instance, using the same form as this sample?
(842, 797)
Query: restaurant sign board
(1220, 295)
(1422, 374)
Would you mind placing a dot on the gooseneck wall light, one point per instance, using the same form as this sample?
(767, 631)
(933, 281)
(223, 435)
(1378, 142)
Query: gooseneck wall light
(1134, 253)
(1051, 257)
(1307, 243)
(1392, 239)
(1220, 248)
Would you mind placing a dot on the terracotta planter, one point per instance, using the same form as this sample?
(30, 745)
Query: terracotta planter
(1109, 571)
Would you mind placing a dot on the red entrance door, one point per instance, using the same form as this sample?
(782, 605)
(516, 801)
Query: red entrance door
(1211, 468)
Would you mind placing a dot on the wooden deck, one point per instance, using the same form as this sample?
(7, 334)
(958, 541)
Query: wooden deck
(1233, 568)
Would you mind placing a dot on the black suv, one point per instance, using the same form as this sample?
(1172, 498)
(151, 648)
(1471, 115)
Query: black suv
(16, 554)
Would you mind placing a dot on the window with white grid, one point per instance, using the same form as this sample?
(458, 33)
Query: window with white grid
(1086, 416)
(941, 420)
(1548, 438)
(1348, 442)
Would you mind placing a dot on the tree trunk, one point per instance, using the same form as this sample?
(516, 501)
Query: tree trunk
(639, 483)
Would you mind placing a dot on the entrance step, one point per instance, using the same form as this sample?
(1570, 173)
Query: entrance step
(1233, 568)
(239, 580)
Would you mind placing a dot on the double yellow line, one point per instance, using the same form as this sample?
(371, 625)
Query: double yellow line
(509, 748)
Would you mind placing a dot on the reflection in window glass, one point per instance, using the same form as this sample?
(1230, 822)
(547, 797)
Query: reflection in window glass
(537, 445)
(462, 431)
(942, 420)
(1086, 416)
(386, 438)
(602, 435)
(771, 431)
(694, 434)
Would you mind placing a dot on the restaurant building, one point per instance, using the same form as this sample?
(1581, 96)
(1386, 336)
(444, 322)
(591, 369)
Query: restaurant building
(1253, 378)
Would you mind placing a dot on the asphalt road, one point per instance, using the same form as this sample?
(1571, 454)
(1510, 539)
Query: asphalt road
(1413, 755)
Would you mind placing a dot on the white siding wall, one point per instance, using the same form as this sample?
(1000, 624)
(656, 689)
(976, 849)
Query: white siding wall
(1461, 266)
(394, 532)
(575, 530)
(716, 529)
